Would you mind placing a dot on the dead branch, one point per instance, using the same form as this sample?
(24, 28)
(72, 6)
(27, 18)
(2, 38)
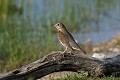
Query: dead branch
(55, 62)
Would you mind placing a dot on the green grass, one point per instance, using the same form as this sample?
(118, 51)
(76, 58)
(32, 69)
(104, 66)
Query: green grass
(76, 77)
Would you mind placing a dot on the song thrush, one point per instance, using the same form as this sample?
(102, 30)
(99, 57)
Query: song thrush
(66, 39)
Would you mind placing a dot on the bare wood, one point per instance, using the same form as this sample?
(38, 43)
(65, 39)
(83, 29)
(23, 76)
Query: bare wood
(55, 62)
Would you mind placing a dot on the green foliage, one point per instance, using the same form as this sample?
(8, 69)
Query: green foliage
(20, 43)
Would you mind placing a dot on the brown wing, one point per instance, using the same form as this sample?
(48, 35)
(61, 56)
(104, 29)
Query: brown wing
(74, 44)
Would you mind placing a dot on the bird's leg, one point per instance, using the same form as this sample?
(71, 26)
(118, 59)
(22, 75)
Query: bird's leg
(64, 51)
(71, 51)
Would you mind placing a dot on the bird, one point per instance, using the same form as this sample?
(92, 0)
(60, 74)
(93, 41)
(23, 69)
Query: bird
(66, 39)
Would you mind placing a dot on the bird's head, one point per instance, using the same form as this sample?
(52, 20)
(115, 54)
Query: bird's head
(59, 26)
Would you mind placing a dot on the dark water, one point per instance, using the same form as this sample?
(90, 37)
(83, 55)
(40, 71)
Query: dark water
(104, 28)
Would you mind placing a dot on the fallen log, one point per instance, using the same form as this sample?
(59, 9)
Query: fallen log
(75, 62)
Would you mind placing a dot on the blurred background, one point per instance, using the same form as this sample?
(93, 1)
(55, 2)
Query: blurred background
(27, 34)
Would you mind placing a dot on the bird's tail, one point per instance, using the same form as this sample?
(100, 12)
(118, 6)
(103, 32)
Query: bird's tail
(80, 49)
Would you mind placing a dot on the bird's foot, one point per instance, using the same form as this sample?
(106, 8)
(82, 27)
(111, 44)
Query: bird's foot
(63, 54)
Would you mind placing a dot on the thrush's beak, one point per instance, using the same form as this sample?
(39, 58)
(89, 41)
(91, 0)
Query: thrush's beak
(55, 25)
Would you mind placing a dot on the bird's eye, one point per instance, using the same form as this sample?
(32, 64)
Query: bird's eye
(58, 24)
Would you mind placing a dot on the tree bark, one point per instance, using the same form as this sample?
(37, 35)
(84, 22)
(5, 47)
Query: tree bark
(75, 62)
